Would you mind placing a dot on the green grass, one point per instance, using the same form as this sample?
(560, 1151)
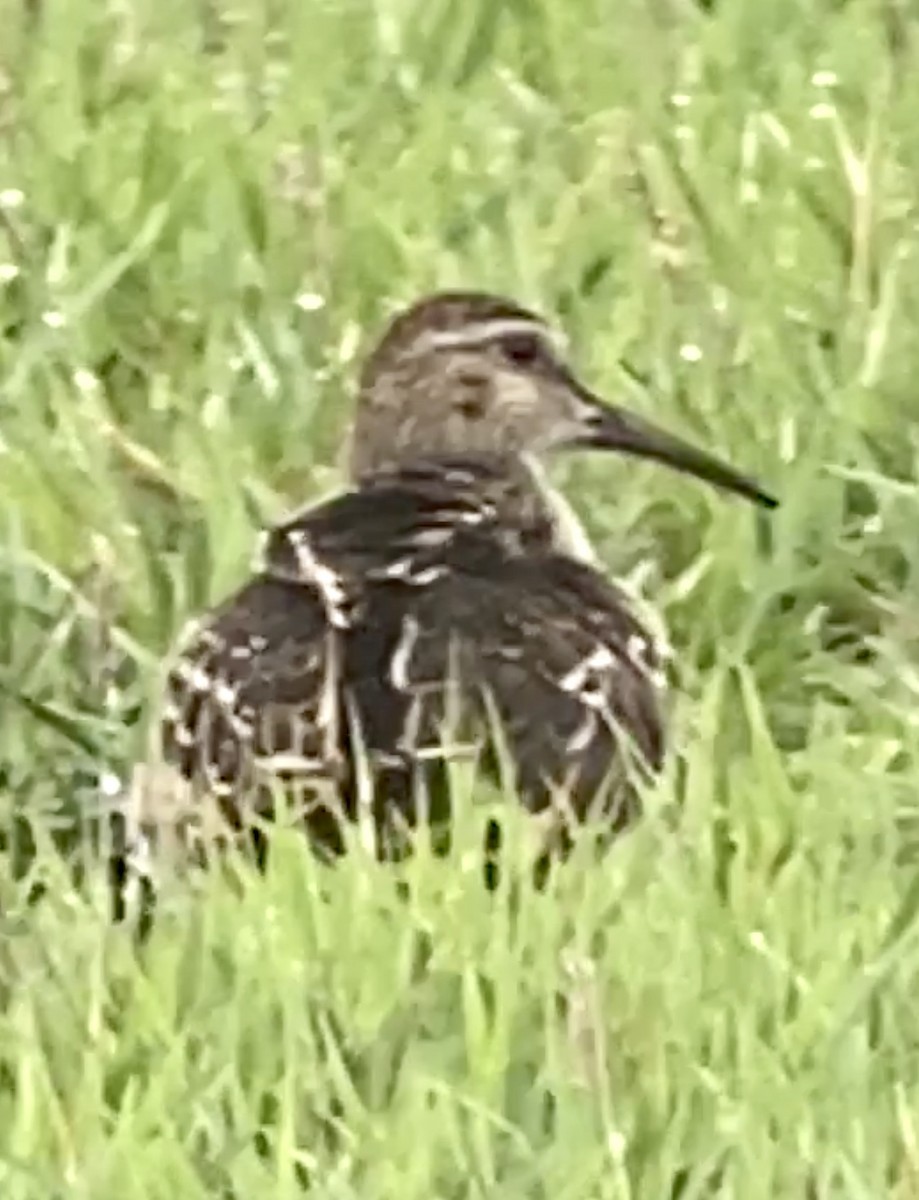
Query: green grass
(740, 983)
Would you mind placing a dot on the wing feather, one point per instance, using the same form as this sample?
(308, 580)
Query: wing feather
(387, 609)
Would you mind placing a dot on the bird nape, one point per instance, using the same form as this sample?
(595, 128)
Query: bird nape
(445, 594)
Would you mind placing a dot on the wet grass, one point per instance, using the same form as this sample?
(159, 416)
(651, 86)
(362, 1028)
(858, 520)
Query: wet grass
(201, 212)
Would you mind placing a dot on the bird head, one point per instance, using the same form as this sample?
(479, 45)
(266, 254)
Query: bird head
(474, 373)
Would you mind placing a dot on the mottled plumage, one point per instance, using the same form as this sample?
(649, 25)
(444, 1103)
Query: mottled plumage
(370, 607)
(392, 624)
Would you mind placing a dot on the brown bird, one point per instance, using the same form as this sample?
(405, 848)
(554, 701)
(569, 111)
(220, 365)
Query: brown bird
(448, 588)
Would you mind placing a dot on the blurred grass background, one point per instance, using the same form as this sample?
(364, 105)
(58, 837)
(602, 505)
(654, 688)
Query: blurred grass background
(205, 210)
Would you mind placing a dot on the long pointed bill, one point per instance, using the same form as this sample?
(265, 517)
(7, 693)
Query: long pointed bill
(606, 427)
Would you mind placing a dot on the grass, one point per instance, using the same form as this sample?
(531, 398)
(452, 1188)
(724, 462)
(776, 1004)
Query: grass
(201, 211)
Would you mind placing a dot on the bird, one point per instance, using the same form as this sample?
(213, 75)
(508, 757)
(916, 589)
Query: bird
(445, 603)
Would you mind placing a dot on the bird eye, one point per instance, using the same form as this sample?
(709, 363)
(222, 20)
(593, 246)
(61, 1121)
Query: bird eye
(523, 349)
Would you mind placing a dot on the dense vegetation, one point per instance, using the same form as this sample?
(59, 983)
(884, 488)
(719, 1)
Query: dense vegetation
(202, 210)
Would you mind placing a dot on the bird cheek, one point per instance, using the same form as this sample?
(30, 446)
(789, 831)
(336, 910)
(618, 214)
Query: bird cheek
(470, 392)
(472, 405)
(519, 398)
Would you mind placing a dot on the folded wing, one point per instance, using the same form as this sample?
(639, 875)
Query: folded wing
(380, 614)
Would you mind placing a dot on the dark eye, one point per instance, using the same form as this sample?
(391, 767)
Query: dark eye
(522, 349)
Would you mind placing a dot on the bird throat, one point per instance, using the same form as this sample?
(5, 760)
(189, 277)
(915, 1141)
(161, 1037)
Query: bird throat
(570, 535)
